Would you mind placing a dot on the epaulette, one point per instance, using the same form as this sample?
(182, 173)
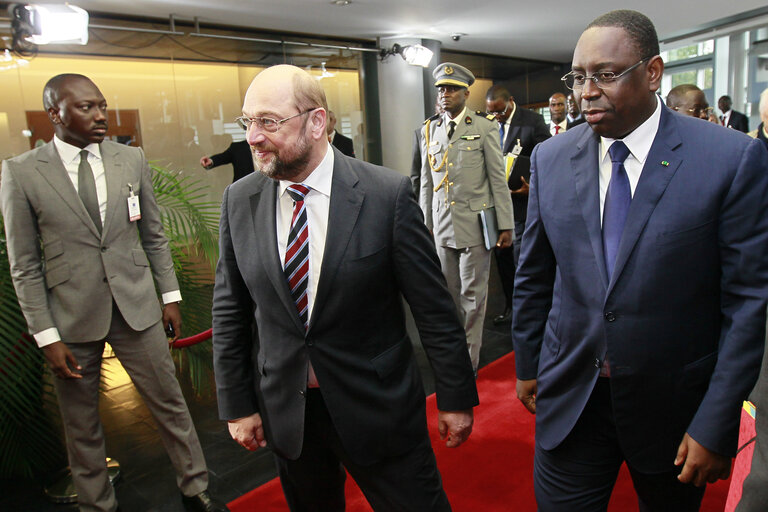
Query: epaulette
(486, 115)
(431, 118)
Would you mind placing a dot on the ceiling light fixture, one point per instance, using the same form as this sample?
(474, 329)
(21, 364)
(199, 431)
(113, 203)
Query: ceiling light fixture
(415, 55)
(51, 23)
(341, 3)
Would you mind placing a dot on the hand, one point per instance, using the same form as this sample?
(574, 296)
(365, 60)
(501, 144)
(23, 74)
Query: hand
(248, 432)
(455, 425)
(172, 318)
(60, 358)
(526, 393)
(701, 465)
(206, 162)
(505, 239)
(523, 190)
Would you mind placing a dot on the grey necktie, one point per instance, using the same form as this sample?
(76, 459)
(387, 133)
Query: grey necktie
(86, 188)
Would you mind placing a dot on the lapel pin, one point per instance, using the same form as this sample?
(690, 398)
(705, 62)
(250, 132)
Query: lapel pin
(665, 163)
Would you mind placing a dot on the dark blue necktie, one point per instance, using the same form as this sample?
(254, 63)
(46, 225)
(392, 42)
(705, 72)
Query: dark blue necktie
(501, 135)
(617, 200)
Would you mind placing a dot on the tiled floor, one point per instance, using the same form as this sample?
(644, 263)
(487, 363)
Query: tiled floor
(148, 479)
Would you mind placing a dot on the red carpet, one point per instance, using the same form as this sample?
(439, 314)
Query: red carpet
(490, 472)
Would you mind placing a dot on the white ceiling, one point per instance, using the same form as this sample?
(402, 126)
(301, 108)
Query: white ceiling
(534, 29)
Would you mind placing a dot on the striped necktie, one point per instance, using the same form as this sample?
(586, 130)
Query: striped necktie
(296, 266)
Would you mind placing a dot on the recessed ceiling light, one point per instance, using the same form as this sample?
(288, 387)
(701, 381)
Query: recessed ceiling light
(341, 2)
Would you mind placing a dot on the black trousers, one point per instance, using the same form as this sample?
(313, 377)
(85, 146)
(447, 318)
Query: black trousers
(506, 262)
(315, 481)
(580, 473)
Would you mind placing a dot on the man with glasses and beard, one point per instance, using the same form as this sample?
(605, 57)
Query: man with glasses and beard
(317, 250)
(640, 299)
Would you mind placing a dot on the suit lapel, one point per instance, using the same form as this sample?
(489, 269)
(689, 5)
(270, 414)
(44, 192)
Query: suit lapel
(346, 201)
(514, 131)
(660, 165)
(52, 170)
(586, 171)
(263, 221)
(113, 171)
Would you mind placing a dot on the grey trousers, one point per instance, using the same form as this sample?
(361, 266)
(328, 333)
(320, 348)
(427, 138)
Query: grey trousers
(146, 358)
(466, 271)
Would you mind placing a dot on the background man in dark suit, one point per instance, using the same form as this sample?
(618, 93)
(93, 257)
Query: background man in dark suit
(93, 282)
(238, 154)
(574, 116)
(689, 100)
(640, 299)
(339, 141)
(732, 118)
(332, 383)
(523, 129)
(557, 121)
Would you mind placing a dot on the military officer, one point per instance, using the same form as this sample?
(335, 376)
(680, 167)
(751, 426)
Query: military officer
(462, 175)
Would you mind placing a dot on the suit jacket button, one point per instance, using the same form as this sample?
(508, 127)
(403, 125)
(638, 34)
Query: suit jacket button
(302, 392)
(610, 316)
(106, 280)
(597, 363)
(103, 249)
(310, 343)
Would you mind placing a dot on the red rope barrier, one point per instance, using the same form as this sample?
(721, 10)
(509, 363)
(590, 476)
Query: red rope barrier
(193, 340)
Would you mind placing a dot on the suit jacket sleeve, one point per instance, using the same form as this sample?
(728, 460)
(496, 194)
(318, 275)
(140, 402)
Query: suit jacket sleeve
(152, 234)
(494, 168)
(534, 281)
(24, 252)
(417, 270)
(232, 337)
(540, 130)
(225, 157)
(743, 235)
(426, 185)
(416, 164)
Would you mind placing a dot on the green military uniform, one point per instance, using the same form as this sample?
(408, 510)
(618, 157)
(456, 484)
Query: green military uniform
(461, 176)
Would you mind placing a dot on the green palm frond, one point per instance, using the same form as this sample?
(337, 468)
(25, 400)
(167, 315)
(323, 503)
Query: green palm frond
(191, 226)
(29, 434)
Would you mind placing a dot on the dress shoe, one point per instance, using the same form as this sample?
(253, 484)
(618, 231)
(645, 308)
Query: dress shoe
(202, 503)
(503, 318)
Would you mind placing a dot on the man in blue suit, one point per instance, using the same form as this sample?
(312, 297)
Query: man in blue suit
(640, 299)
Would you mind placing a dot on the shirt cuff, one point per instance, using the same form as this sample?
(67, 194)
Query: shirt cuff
(174, 296)
(47, 337)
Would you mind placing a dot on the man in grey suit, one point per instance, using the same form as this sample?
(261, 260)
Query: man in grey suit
(317, 250)
(82, 262)
(462, 175)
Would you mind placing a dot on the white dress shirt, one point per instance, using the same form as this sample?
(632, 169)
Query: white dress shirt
(563, 125)
(456, 119)
(507, 123)
(317, 202)
(639, 144)
(70, 158)
(726, 117)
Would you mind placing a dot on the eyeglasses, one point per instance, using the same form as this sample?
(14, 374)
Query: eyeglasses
(697, 111)
(603, 79)
(498, 112)
(267, 123)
